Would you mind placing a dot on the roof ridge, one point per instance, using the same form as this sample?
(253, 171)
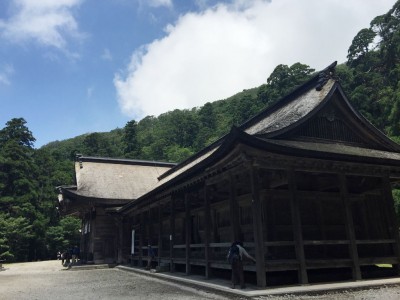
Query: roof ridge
(80, 158)
(317, 81)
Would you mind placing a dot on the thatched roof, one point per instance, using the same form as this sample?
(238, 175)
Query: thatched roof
(121, 179)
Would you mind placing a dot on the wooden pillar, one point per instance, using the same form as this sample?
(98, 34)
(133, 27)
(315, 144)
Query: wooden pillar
(297, 229)
(258, 228)
(120, 245)
(233, 210)
(214, 226)
(172, 234)
(351, 235)
(82, 239)
(393, 223)
(141, 236)
(365, 220)
(130, 228)
(150, 218)
(188, 233)
(160, 216)
(207, 240)
(321, 223)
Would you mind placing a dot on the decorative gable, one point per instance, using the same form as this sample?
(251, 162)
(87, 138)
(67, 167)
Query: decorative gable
(329, 125)
(335, 122)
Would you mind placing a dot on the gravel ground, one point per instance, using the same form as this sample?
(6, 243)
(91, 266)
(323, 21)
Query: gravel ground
(49, 280)
(384, 293)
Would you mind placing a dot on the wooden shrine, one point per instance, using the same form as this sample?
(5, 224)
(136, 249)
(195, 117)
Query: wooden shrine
(306, 185)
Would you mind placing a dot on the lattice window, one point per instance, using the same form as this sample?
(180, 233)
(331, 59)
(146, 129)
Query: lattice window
(330, 129)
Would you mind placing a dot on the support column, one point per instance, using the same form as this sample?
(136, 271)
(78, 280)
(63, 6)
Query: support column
(142, 229)
(394, 231)
(120, 248)
(160, 215)
(207, 220)
(150, 238)
(188, 232)
(82, 239)
(258, 228)
(233, 210)
(172, 235)
(297, 229)
(351, 235)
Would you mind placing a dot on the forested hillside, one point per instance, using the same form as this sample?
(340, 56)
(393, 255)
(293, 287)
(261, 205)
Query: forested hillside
(175, 135)
(30, 227)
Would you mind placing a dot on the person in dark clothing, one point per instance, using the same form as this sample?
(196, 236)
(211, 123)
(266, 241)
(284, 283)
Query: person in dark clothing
(67, 258)
(75, 254)
(235, 258)
(150, 256)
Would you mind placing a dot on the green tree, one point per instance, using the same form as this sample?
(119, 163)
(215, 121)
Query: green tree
(361, 45)
(130, 139)
(174, 153)
(64, 235)
(16, 234)
(16, 130)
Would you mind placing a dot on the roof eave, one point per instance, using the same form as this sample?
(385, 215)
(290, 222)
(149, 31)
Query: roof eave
(237, 136)
(384, 140)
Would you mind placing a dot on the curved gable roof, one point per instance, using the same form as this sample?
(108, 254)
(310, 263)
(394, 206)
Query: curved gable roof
(122, 179)
(285, 116)
(297, 108)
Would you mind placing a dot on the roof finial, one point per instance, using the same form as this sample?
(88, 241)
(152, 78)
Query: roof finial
(325, 75)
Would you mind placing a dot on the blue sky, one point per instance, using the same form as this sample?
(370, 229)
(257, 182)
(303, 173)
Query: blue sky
(70, 67)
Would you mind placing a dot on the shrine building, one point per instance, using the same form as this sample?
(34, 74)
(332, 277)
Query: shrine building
(306, 185)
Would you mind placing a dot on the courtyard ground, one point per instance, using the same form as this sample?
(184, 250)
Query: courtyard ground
(49, 280)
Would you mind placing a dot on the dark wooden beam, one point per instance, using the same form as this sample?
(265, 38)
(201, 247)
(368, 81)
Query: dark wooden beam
(150, 227)
(142, 227)
(297, 228)
(188, 232)
(160, 217)
(351, 235)
(392, 218)
(172, 234)
(233, 210)
(258, 228)
(120, 239)
(207, 240)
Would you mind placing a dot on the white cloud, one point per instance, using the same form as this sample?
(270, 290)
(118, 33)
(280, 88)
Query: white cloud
(5, 73)
(106, 55)
(89, 92)
(219, 51)
(155, 3)
(158, 3)
(48, 22)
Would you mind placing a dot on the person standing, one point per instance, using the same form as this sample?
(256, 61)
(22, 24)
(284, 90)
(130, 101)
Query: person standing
(75, 254)
(63, 257)
(150, 256)
(235, 258)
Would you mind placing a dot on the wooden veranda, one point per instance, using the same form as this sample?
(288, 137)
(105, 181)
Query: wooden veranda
(291, 213)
